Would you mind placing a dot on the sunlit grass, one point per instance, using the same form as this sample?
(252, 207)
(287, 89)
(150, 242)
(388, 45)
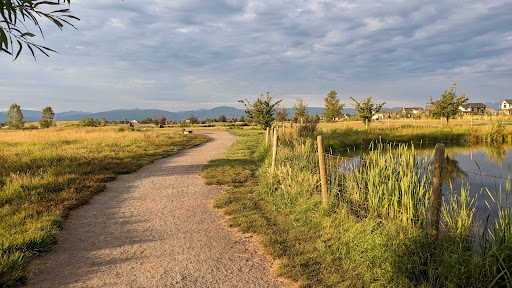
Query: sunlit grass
(46, 173)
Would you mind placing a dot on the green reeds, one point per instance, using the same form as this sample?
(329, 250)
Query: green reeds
(391, 182)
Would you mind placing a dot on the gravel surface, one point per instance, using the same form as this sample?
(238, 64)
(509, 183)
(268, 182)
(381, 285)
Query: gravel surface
(156, 228)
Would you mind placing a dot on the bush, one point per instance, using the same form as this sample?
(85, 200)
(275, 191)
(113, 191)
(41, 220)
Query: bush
(89, 122)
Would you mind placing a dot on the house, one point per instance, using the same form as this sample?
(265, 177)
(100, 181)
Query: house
(493, 112)
(506, 107)
(412, 111)
(429, 109)
(472, 108)
(378, 116)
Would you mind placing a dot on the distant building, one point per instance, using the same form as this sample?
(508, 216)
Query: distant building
(429, 109)
(493, 112)
(506, 107)
(378, 116)
(412, 111)
(472, 108)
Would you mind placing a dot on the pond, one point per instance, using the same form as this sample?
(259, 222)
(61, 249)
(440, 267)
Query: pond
(484, 168)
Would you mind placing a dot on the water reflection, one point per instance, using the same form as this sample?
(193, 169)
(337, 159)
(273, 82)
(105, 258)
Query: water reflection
(482, 167)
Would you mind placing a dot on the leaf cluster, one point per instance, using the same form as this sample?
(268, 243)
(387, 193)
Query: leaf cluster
(261, 110)
(15, 117)
(14, 34)
(448, 105)
(333, 106)
(47, 120)
(367, 108)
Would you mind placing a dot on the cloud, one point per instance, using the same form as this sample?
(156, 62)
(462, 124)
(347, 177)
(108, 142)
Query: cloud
(220, 50)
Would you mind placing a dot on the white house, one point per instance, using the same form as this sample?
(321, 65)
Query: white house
(506, 107)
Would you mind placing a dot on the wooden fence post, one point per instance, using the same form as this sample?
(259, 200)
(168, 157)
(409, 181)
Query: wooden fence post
(267, 134)
(323, 177)
(274, 150)
(367, 123)
(437, 191)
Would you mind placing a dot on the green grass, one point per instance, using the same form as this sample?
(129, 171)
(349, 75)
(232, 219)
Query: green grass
(44, 174)
(349, 242)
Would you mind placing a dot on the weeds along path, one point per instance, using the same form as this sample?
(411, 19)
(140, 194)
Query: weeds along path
(155, 228)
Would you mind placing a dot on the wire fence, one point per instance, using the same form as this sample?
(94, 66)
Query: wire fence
(382, 184)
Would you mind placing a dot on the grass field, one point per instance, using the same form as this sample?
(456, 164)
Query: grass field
(44, 174)
(355, 240)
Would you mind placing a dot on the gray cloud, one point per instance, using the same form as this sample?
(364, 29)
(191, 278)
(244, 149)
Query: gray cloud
(189, 54)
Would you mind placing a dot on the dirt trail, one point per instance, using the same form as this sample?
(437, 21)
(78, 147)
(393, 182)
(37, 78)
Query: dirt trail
(156, 228)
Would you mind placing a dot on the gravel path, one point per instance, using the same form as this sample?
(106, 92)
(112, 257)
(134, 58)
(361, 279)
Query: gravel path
(156, 228)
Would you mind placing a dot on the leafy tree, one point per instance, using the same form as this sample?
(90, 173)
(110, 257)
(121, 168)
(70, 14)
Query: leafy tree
(261, 111)
(301, 109)
(367, 108)
(103, 121)
(448, 105)
(15, 117)
(333, 106)
(89, 122)
(143, 121)
(193, 120)
(222, 118)
(163, 121)
(156, 120)
(16, 14)
(47, 120)
(241, 119)
(281, 114)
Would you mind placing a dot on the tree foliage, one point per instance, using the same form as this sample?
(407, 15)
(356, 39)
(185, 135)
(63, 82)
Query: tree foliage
(15, 117)
(333, 106)
(89, 122)
(448, 105)
(367, 108)
(192, 119)
(261, 110)
(281, 114)
(47, 120)
(301, 109)
(16, 14)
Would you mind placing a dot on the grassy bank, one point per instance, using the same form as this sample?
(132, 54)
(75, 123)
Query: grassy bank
(360, 238)
(46, 173)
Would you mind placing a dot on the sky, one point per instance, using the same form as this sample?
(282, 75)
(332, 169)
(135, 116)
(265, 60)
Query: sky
(189, 54)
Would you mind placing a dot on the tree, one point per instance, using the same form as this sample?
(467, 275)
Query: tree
(448, 105)
(261, 110)
(47, 120)
(281, 114)
(367, 108)
(103, 121)
(16, 14)
(301, 109)
(15, 117)
(333, 106)
(89, 122)
(241, 119)
(222, 118)
(193, 120)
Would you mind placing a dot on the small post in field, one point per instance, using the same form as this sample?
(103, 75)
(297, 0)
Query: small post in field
(274, 150)
(437, 191)
(366, 123)
(267, 134)
(321, 161)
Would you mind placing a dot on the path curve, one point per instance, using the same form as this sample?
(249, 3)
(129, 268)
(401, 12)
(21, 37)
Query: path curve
(156, 228)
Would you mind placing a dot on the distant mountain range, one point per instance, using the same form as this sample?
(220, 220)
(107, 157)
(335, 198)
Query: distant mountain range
(139, 114)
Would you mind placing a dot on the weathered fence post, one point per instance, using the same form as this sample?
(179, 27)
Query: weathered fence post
(366, 123)
(437, 191)
(267, 134)
(274, 150)
(321, 161)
